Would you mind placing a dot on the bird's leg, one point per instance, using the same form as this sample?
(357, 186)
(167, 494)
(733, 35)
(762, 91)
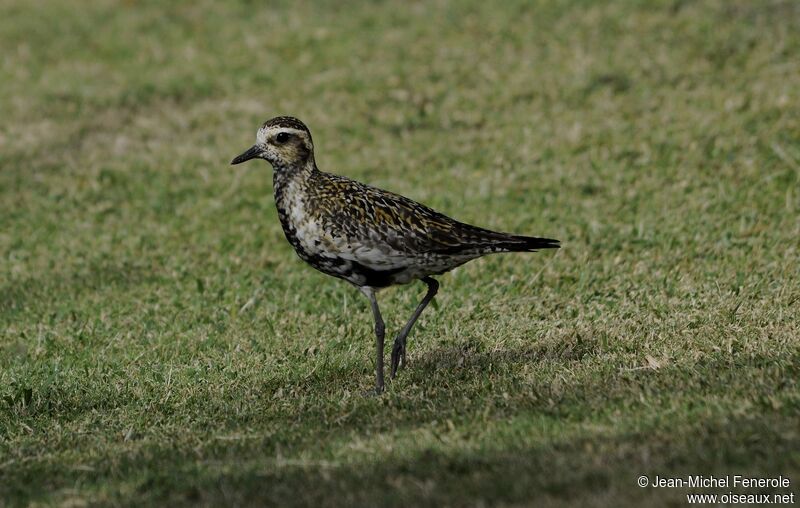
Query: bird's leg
(399, 348)
(380, 332)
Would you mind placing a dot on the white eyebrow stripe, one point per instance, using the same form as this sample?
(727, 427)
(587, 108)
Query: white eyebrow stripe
(288, 130)
(264, 134)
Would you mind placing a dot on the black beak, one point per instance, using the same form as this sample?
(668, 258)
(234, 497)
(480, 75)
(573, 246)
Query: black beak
(251, 153)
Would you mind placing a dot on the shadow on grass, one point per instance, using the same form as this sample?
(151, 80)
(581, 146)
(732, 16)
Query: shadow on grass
(452, 382)
(598, 468)
(584, 441)
(588, 470)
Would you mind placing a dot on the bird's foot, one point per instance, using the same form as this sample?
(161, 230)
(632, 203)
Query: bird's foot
(398, 356)
(374, 392)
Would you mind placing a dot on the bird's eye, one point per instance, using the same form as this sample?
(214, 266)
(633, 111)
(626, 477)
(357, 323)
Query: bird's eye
(282, 137)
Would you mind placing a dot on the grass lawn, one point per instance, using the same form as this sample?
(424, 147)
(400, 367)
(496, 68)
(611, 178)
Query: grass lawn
(161, 343)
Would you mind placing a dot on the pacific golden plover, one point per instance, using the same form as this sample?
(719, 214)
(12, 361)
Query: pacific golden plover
(367, 236)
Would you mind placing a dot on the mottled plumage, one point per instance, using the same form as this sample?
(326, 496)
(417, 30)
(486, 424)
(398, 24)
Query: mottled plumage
(367, 236)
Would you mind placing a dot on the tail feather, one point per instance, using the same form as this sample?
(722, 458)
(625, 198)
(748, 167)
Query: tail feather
(518, 243)
(483, 241)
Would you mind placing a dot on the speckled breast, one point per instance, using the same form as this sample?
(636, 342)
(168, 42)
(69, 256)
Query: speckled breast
(305, 232)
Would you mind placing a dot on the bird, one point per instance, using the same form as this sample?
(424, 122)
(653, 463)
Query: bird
(366, 236)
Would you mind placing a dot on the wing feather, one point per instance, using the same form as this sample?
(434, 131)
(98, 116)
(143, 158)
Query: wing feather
(382, 230)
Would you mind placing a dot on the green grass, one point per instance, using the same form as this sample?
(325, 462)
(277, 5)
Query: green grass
(660, 141)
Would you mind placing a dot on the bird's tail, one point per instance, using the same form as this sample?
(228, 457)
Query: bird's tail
(519, 243)
(477, 241)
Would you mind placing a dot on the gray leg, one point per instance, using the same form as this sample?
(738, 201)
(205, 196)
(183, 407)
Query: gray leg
(399, 348)
(380, 332)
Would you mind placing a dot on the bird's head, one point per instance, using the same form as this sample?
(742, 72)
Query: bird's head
(285, 142)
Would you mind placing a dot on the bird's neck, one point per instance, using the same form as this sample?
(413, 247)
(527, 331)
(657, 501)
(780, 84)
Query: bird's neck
(291, 182)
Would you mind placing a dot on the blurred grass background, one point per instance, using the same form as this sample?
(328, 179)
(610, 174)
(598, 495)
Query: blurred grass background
(161, 343)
